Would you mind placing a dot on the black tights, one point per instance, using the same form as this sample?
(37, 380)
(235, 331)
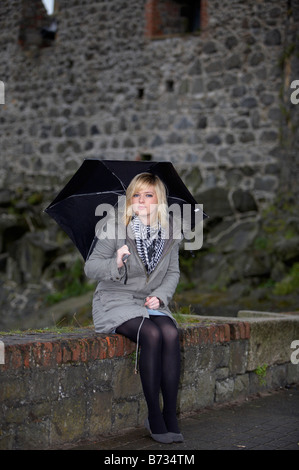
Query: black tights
(159, 367)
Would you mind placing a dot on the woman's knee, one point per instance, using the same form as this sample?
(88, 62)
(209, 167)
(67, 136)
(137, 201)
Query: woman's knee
(151, 333)
(172, 334)
(168, 328)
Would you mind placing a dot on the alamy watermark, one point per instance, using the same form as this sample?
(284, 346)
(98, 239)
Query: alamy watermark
(2, 353)
(187, 223)
(2, 93)
(295, 94)
(295, 354)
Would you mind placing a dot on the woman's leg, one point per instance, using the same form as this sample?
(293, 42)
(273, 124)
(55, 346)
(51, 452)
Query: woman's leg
(150, 339)
(170, 371)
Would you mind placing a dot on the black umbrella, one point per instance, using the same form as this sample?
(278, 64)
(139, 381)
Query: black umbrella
(103, 181)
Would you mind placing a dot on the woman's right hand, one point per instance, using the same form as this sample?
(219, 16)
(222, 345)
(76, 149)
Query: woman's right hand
(124, 250)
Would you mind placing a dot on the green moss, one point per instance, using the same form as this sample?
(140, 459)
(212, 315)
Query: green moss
(73, 284)
(286, 55)
(261, 243)
(289, 283)
(261, 372)
(35, 198)
(59, 330)
(185, 286)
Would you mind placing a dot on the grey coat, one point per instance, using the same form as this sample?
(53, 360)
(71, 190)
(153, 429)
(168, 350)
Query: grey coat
(115, 302)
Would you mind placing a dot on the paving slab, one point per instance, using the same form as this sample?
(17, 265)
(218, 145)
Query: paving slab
(266, 422)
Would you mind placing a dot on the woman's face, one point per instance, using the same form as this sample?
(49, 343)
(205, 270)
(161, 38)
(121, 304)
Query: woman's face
(145, 203)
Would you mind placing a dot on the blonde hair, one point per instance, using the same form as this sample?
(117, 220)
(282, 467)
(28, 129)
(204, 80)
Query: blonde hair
(143, 180)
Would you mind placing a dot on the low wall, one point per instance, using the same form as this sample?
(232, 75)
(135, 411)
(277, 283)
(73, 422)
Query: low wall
(59, 389)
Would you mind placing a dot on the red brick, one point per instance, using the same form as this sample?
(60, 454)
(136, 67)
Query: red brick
(75, 351)
(98, 347)
(103, 348)
(212, 334)
(58, 353)
(48, 349)
(84, 345)
(239, 330)
(66, 353)
(247, 330)
(234, 332)
(36, 353)
(226, 332)
(129, 346)
(118, 345)
(16, 359)
(94, 350)
(25, 350)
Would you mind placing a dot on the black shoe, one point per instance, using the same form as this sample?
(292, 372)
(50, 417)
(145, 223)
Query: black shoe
(176, 436)
(164, 438)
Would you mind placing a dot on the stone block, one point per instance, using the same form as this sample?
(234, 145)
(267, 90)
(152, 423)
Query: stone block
(238, 357)
(220, 355)
(187, 397)
(259, 383)
(224, 390)
(100, 413)
(100, 374)
(14, 389)
(68, 422)
(205, 389)
(270, 340)
(292, 373)
(217, 201)
(124, 374)
(189, 366)
(82, 396)
(197, 395)
(125, 415)
(241, 386)
(221, 373)
(279, 375)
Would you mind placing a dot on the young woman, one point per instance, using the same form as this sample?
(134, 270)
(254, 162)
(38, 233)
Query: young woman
(132, 297)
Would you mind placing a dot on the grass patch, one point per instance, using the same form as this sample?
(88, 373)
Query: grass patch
(57, 330)
(73, 284)
(289, 283)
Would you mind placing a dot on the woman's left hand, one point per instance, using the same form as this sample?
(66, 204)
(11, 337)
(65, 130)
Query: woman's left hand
(152, 303)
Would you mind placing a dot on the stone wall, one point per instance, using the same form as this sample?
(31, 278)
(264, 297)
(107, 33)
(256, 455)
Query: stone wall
(216, 102)
(57, 389)
(210, 100)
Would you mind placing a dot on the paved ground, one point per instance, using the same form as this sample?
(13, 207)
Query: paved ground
(269, 422)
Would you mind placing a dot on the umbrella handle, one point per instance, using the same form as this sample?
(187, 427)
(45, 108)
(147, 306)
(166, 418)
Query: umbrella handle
(124, 258)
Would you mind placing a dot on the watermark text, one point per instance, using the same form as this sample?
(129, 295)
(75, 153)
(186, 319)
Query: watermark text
(295, 354)
(2, 93)
(2, 353)
(295, 94)
(187, 223)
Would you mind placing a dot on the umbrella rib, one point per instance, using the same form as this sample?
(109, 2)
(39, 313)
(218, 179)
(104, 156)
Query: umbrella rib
(124, 188)
(119, 193)
(179, 199)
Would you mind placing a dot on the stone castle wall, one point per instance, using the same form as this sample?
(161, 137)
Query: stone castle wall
(208, 102)
(60, 388)
(116, 83)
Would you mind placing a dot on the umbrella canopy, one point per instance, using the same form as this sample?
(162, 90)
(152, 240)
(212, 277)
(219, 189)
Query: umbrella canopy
(103, 181)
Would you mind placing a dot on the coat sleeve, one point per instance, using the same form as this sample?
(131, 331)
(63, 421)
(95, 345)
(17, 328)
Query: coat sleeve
(101, 265)
(168, 286)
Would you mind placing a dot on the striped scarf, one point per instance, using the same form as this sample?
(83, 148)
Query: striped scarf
(149, 243)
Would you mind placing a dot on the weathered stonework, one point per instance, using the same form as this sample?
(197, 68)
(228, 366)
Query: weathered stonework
(114, 85)
(57, 389)
(81, 96)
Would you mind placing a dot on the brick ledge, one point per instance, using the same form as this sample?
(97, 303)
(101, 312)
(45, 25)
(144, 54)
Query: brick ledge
(49, 349)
